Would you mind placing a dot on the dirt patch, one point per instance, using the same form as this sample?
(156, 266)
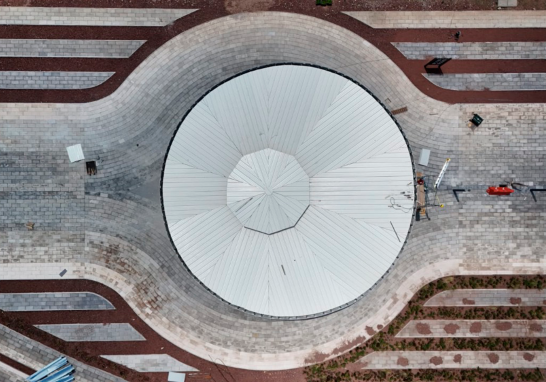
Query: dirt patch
(356, 366)
(536, 328)
(467, 301)
(528, 357)
(515, 300)
(458, 358)
(436, 361)
(476, 327)
(380, 327)
(237, 6)
(503, 326)
(370, 331)
(493, 358)
(451, 328)
(321, 357)
(402, 361)
(423, 328)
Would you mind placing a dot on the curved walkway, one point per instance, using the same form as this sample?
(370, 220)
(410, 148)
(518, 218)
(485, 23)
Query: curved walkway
(109, 228)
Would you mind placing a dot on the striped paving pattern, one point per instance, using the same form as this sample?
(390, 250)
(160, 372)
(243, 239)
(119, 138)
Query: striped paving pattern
(489, 297)
(93, 332)
(68, 48)
(27, 302)
(473, 328)
(150, 362)
(451, 19)
(473, 50)
(63, 16)
(36, 355)
(52, 80)
(489, 81)
(454, 360)
(9, 374)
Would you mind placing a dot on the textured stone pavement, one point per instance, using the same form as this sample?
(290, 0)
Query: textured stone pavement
(150, 362)
(506, 50)
(473, 328)
(8, 375)
(35, 355)
(21, 302)
(109, 227)
(454, 360)
(68, 48)
(451, 19)
(93, 332)
(52, 80)
(489, 81)
(90, 16)
(489, 297)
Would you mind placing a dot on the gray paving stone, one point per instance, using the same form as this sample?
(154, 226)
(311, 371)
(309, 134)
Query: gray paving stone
(68, 48)
(90, 16)
(52, 80)
(151, 363)
(7, 376)
(489, 81)
(473, 329)
(20, 302)
(451, 19)
(454, 360)
(93, 332)
(489, 297)
(473, 50)
(35, 355)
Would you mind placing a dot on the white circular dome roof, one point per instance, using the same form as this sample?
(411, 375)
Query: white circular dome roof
(288, 191)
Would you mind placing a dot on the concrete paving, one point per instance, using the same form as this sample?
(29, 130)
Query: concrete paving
(35, 355)
(62, 16)
(473, 328)
(150, 363)
(489, 81)
(489, 297)
(52, 80)
(29, 302)
(68, 48)
(506, 50)
(105, 228)
(451, 19)
(454, 360)
(93, 332)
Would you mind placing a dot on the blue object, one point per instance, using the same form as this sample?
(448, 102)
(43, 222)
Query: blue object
(48, 369)
(59, 374)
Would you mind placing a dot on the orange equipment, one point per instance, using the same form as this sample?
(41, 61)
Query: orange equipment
(501, 190)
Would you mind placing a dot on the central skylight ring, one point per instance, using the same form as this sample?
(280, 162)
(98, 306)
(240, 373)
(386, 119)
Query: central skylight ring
(268, 191)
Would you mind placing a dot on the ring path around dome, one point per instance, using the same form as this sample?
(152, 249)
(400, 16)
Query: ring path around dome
(241, 235)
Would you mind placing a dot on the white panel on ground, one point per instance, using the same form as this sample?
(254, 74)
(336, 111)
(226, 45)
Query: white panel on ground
(75, 153)
(176, 377)
(424, 157)
(289, 191)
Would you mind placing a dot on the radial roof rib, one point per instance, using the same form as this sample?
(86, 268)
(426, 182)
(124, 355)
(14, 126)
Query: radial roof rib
(297, 100)
(375, 191)
(241, 111)
(201, 143)
(189, 191)
(202, 238)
